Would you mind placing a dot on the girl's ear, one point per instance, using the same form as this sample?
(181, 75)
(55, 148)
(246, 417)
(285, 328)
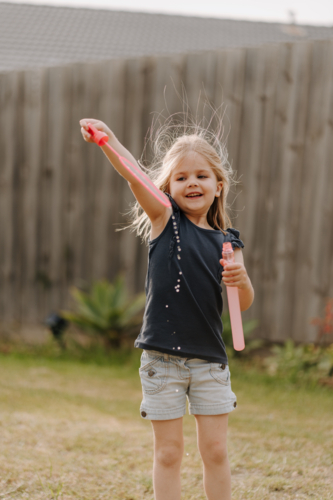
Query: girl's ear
(219, 189)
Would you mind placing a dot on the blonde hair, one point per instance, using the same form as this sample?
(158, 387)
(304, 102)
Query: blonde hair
(170, 143)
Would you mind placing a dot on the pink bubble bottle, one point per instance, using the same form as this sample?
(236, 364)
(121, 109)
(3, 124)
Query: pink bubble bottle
(233, 302)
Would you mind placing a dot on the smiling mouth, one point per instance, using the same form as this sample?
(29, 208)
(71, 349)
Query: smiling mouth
(193, 196)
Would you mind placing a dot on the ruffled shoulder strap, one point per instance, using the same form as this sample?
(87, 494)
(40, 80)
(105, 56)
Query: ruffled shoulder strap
(233, 237)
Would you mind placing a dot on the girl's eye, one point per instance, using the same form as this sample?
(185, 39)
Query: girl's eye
(181, 178)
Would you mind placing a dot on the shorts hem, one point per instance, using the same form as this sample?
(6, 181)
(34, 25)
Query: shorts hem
(162, 414)
(212, 409)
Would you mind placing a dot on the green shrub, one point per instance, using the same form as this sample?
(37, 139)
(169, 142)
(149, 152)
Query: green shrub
(106, 311)
(307, 362)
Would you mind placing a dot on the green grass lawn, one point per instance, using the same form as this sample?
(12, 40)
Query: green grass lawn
(70, 430)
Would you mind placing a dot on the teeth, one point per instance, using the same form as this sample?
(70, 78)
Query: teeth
(192, 195)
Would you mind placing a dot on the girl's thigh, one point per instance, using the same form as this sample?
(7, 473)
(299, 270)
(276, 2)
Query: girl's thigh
(168, 433)
(212, 433)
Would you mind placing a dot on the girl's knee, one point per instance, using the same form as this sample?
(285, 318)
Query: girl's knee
(214, 453)
(169, 455)
(169, 441)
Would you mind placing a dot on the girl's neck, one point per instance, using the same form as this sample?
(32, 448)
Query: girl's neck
(199, 220)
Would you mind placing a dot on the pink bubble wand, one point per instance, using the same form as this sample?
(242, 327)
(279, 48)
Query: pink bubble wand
(233, 302)
(101, 139)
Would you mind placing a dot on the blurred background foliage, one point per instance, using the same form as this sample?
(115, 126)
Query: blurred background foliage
(106, 311)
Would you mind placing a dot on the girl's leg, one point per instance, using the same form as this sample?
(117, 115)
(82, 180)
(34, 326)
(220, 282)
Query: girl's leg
(212, 444)
(168, 454)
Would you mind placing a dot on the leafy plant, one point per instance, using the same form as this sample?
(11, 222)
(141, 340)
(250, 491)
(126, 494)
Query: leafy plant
(248, 327)
(325, 325)
(290, 360)
(106, 310)
(305, 362)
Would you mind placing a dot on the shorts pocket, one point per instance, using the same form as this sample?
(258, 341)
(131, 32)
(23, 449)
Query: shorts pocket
(153, 374)
(220, 372)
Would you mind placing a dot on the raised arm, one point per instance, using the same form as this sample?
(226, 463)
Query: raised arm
(154, 209)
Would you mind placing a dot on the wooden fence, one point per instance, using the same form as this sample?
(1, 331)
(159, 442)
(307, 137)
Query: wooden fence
(60, 199)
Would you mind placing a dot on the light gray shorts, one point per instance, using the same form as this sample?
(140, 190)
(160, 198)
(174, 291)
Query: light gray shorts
(168, 380)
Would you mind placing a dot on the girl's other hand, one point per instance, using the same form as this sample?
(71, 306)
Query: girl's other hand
(101, 126)
(234, 274)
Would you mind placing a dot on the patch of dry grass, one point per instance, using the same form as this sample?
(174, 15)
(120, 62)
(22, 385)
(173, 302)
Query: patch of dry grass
(73, 431)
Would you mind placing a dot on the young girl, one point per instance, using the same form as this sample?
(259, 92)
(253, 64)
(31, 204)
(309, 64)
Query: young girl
(181, 336)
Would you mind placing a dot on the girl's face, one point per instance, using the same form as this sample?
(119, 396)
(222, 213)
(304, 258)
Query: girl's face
(194, 176)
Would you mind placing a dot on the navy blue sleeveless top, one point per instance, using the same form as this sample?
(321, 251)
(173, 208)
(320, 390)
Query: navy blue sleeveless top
(183, 290)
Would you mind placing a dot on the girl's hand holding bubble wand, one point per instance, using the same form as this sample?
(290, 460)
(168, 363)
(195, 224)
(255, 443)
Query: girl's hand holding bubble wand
(233, 276)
